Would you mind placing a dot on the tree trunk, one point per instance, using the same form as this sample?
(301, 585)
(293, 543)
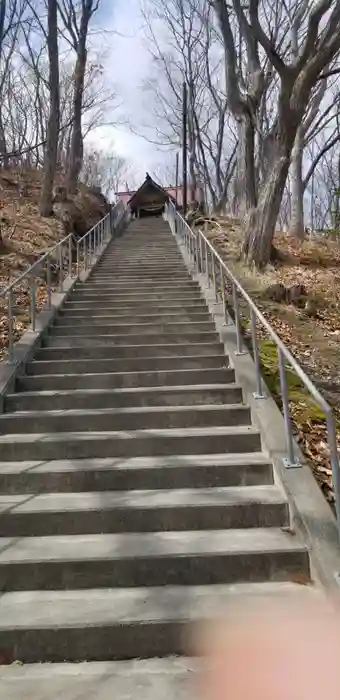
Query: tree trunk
(76, 145)
(192, 160)
(245, 195)
(3, 147)
(261, 222)
(296, 226)
(51, 147)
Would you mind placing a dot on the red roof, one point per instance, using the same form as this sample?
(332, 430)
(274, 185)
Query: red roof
(125, 196)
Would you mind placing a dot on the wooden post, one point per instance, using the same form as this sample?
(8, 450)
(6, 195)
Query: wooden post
(177, 169)
(184, 149)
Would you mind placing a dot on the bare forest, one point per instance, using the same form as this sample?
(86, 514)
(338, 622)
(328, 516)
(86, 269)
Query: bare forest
(54, 94)
(263, 81)
(263, 90)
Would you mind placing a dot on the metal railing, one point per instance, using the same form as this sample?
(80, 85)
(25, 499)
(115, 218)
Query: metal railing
(91, 245)
(57, 263)
(206, 260)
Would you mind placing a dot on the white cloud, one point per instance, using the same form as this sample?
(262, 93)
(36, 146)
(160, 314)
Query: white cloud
(127, 65)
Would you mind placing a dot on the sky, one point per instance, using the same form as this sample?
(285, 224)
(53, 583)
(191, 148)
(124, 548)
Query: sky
(126, 65)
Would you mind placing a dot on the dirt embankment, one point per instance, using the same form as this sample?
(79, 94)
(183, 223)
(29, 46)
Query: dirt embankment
(309, 326)
(25, 235)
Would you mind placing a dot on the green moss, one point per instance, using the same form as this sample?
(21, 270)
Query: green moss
(309, 410)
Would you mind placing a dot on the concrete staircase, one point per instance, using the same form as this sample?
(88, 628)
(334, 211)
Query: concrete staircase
(135, 495)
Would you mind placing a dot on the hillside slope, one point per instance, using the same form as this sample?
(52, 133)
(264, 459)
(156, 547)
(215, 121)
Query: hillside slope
(25, 235)
(313, 339)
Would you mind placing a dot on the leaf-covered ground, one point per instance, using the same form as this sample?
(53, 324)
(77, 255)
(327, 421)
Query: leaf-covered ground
(315, 342)
(25, 235)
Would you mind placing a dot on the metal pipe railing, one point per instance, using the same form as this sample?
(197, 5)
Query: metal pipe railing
(91, 244)
(180, 226)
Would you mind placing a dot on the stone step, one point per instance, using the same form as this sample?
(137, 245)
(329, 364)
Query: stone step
(130, 307)
(68, 349)
(144, 278)
(120, 624)
(138, 250)
(144, 250)
(125, 272)
(186, 395)
(122, 272)
(74, 318)
(132, 443)
(124, 266)
(171, 279)
(78, 562)
(57, 339)
(153, 287)
(179, 471)
(140, 258)
(184, 296)
(147, 285)
(155, 679)
(139, 330)
(142, 511)
(144, 247)
(142, 418)
(133, 364)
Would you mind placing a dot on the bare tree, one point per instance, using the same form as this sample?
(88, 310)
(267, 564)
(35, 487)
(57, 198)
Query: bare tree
(185, 47)
(12, 14)
(51, 147)
(76, 18)
(108, 171)
(319, 45)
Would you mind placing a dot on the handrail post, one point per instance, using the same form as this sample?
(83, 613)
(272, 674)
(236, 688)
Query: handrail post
(198, 262)
(70, 256)
(78, 259)
(48, 282)
(214, 275)
(224, 301)
(333, 449)
(33, 300)
(10, 326)
(237, 321)
(259, 392)
(206, 262)
(61, 286)
(200, 247)
(291, 461)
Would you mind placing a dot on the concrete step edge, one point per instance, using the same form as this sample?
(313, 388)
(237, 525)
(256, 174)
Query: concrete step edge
(91, 361)
(128, 391)
(227, 497)
(137, 463)
(122, 373)
(216, 431)
(155, 545)
(134, 348)
(138, 410)
(126, 606)
(208, 324)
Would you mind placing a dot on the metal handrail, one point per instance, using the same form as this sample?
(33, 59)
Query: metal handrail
(93, 243)
(97, 236)
(197, 246)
